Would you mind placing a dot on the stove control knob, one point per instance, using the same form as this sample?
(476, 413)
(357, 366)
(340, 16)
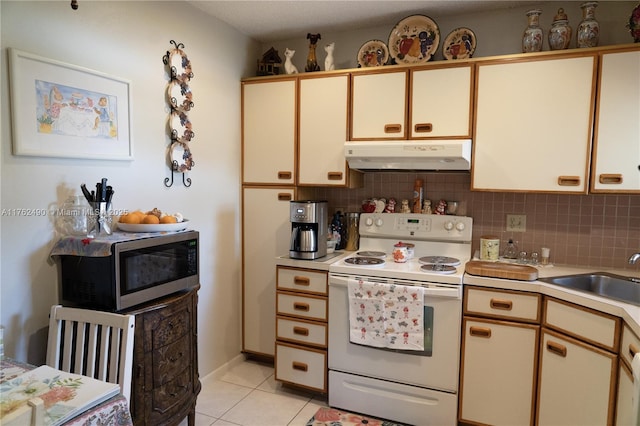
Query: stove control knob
(448, 225)
(460, 226)
(379, 222)
(368, 221)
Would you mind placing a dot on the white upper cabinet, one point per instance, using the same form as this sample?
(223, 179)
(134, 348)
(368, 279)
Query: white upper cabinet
(533, 123)
(269, 131)
(616, 158)
(379, 105)
(323, 112)
(441, 102)
(422, 103)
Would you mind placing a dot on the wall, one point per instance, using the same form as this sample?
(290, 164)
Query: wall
(595, 230)
(128, 40)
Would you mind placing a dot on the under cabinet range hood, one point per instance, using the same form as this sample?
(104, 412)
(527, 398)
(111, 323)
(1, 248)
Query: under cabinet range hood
(454, 154)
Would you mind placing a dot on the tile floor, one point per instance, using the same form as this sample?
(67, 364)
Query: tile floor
(247, 394)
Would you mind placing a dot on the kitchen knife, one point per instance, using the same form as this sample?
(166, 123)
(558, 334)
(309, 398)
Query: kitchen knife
(103, 190)
(86, 193)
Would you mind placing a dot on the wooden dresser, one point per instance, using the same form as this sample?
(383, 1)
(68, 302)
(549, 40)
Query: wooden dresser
(165, 362)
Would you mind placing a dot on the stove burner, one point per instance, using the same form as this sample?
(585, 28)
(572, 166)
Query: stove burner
(378, 254)
(364, 261)
(439, 260)
(438, 269)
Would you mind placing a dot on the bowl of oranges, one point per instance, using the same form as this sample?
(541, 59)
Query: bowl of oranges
(151, 221)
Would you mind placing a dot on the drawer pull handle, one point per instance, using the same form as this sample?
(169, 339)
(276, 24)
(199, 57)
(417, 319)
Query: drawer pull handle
(505, 305)
(606, 178)
(569, 180)
(423, 127)
(284, 175)
(392, 128)
(633, 350)
(283, 196)
(300, 366)
(175, 358)
(298, 306)
(480, 332)
(334, 175)
(297, 280)
(557, 349)
(301, 331)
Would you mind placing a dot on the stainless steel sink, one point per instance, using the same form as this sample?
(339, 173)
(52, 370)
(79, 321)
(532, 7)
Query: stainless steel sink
(603, 284)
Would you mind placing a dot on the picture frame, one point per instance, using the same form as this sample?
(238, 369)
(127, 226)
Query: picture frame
(64, 110)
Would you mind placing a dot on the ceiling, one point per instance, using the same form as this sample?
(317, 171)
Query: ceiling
(268, 21)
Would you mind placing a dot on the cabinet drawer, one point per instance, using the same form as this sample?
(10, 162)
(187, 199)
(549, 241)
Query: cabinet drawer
(302, 280)
(301, 366)
(629, 346)
(502, 304)
(312, 307)
(169, 396)
(593, 326)
(169, 361)
(300, 331)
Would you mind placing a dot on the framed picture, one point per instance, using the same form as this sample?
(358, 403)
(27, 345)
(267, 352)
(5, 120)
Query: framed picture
(62, 110)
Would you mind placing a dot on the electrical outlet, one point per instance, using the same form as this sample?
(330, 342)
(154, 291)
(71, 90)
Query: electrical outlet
(516, 222)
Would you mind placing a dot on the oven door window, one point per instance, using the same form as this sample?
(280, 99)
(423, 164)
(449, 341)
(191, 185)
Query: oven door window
(428, 337)
(144, 268)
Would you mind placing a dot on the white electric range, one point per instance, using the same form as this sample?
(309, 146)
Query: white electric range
(408, 386)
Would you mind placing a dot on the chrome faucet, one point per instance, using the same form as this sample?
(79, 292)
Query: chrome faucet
(634, 258)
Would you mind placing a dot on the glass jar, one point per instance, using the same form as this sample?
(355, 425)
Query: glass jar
(588, 32)
(72, 216)
(532, 37)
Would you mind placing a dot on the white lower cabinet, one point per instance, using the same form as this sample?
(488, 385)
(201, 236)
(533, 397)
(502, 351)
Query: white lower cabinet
(499, 372)
(625, 399)
(576, 383)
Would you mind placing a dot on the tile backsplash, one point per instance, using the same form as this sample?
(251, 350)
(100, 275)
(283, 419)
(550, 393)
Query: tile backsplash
(586, 230)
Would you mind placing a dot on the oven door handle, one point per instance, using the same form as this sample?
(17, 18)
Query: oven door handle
(441, 292)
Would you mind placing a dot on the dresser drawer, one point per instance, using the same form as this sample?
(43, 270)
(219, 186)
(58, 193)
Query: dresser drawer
(301, 331)
(311, 307)
(502, 304)
(302, 280)
(170, 360)
(583, 323)
(629, 346)
(170, 396)
(301, 366)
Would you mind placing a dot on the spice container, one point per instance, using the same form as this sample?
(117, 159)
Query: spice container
(417, 196)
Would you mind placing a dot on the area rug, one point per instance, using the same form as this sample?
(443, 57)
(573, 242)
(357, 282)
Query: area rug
(327, 416)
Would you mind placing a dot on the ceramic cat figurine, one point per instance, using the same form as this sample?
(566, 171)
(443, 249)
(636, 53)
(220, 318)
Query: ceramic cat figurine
(328, 62)
(289, 68)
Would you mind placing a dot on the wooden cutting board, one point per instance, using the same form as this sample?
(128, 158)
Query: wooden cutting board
(501, 270)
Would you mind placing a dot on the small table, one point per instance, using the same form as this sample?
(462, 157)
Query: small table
(113, 411)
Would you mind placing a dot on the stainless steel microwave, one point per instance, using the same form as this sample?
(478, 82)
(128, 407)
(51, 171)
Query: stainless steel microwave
(136, 272)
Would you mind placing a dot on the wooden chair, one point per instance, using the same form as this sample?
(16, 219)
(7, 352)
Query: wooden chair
(92, 343)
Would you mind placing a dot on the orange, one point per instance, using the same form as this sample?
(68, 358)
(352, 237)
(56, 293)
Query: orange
(151, 219)
(168, 219)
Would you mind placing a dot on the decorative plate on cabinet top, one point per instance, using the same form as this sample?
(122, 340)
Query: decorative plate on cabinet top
(180, 96)
(180, 65)
(373, 53)
(181, 157)
(459, 44)
(414, 40)
(181, 127)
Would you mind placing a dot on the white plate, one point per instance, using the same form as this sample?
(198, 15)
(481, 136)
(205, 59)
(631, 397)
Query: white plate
(152, 227)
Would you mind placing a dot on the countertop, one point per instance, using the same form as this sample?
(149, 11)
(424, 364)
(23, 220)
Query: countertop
(630, 314)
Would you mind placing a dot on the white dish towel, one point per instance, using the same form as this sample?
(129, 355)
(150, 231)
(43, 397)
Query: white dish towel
(386, 315)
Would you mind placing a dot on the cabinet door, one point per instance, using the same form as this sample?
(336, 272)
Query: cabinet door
(625, 415)
(576, 382)
(616, 159)
(323, 110)
(378, 106)
(533, 124)
(266, 233)
(268, 131)
(441, 103)
(498, 372)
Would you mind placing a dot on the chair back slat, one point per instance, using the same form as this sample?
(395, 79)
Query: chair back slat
(92, 343)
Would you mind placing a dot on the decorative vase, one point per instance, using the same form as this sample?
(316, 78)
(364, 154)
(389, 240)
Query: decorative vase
(560, 32)
(634, 24)
(532, 37)
(588, 32)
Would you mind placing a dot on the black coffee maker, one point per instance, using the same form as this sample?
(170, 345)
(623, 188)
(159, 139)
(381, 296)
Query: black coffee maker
(309, 229)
